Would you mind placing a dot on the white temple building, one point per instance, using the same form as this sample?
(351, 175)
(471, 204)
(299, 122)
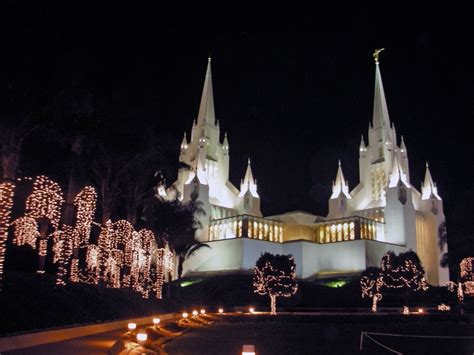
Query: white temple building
(384, 212)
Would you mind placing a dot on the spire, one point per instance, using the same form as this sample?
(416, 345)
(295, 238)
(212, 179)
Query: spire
(362, 147)
(249, 183)
(340, 185)
(184, 142)
(206, 108)
(428, 188)
(201, 168)
(397, 175)
(380, 115)
(403, 147)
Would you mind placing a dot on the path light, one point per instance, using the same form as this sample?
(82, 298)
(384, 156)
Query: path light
(132, 326)
(156, 321)
(420, 310)
(142, 337)
(185, 315)
(203, 311)
(252, 310)
(248, 350)
(195, 313)
(406, 310)
(221, 310)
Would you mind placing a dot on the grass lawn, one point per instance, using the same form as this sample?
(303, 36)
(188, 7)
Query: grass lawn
(325, 335)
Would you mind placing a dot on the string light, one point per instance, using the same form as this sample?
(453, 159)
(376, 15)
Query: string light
(121, 258)
(25, 231)
(271, 280)
(44, 205)
(85, 203)
(394, 273)
(6, 204)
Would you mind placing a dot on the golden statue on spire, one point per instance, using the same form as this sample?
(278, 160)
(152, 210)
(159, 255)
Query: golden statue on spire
(376, 54)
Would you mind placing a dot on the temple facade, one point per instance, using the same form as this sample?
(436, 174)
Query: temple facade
(384, 212)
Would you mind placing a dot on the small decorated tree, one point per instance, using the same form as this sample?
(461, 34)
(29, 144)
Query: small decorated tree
(402, 272)
(275, 275)
(371, 285)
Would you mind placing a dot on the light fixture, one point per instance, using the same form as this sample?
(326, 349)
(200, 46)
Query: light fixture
(203, 311)
(132, 326)
(248, 350)
(185, 315)
(142, 337)
(221, 310)
(156, 321)
(195, 313)
(252, 310)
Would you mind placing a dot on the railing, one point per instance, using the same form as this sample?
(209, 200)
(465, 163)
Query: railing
(246, 226)
(350, 228)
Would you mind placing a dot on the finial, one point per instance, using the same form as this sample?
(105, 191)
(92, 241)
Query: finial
(248, 161)
(339, 162)
(376, 55)
(427, 165)
(402, 138)
(209, 58)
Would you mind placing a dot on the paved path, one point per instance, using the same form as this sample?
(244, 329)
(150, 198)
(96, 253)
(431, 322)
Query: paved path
(90, 345)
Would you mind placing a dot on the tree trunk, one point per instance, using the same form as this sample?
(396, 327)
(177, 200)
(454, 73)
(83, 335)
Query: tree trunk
(7, 189)
(43, 244)
(273, 305)
(375, 299)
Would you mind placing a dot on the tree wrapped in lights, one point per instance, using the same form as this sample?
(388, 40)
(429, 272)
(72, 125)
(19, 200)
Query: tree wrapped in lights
(85, 203)
(403, 272)
(25, 231)
(371, 283)
(465, 286)
(164, 262)
(275, 276)
(6, 204)
(123, 239)
(44, 206)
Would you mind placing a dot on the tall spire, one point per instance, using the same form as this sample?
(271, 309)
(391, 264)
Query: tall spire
(206, 108)
(397, 175)
(340, 185)
(429, 189)
(380, 114)
(249, 183)
(403, 147)
(362, 147)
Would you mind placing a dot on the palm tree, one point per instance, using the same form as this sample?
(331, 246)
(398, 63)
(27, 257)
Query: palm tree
(176, 223)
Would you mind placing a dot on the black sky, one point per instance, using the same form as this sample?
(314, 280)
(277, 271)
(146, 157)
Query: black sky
(293, 85)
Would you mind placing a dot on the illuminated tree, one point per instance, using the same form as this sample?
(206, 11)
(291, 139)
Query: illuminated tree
(44, 206)
(275, 276)
(85, 203)
(465, 285)
(401, 272)
(371, 285)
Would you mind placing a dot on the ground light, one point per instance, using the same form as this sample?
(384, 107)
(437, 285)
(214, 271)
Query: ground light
(420, 310)
(195, 313)
(203, 311)
(252, 310)
(156, 321)
(221, 310)
(132, 326)
(185, 315)
(142, 337)
(248, 350)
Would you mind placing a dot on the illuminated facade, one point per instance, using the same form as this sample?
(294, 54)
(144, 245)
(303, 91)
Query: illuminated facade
(383, 212)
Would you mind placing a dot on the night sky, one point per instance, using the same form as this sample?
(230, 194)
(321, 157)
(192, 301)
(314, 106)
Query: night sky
(293, 86)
